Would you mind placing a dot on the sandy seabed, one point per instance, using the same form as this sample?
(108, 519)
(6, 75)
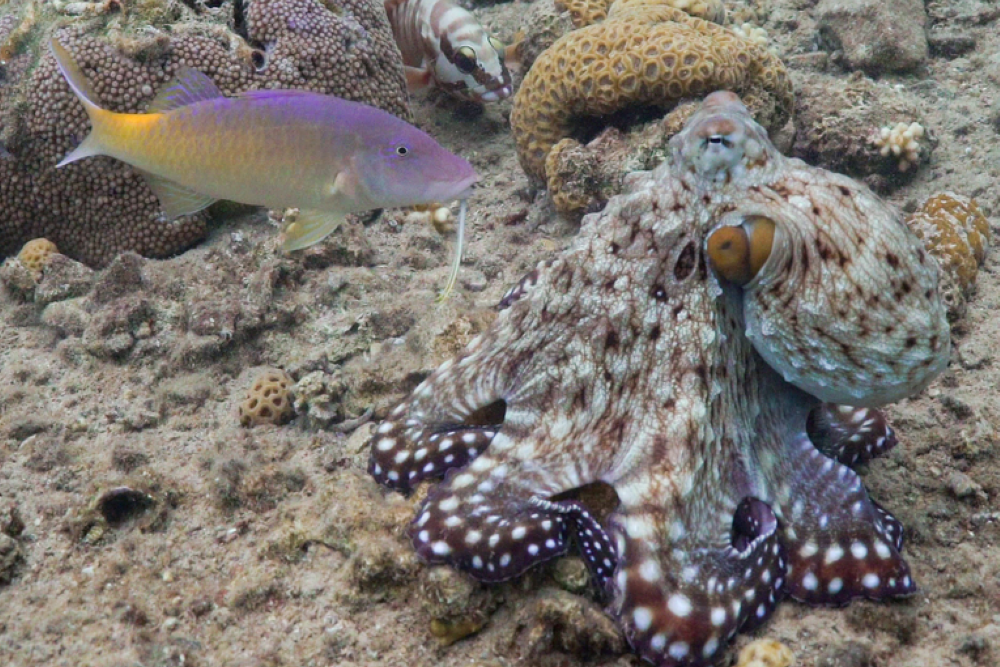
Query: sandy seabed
(271, 546)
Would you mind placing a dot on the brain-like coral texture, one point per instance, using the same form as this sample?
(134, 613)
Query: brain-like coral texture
(645, 54)
(98, 208)
(269, 400)
(586, 12)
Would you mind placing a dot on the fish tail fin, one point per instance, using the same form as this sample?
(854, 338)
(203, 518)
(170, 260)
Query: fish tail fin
(78, 83)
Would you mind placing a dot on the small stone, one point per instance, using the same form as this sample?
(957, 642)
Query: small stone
(977, 647)
(63, 279)
(847, 654)
(10, 557)
(571, 574)
(963, 486)
(956, 406)
(11, 522)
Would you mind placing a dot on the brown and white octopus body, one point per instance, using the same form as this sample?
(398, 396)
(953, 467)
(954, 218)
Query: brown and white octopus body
(696, 349)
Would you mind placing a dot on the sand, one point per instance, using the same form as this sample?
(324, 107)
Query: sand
(272, 546)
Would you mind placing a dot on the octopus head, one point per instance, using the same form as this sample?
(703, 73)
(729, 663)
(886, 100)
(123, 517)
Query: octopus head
(846, 314)
(721, 140)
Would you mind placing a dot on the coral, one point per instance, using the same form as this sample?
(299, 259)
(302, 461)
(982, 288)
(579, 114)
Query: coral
(956, 232)
(100, 207)
(751, 32)
(581, 178)
(436, 214)
(588, 12)
(765, 653)
(36, 255)
(902, 141)
(829, 110)
(269, 400)
(646, 54)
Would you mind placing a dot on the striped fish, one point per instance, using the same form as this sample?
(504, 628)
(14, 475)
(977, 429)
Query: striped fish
(445, 45)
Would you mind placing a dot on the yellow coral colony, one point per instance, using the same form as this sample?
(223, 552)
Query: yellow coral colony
(647, 53)
(902, 141)
(956, 232)
(36, 255)
(766, 653)
(269, 400)
(587, 12)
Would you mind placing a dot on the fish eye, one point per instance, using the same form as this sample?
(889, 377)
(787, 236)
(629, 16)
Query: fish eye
(465, 59)
(402, 150)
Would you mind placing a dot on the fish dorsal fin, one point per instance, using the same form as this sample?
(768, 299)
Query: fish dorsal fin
(188, 87)
(309, 228)
(176, 199)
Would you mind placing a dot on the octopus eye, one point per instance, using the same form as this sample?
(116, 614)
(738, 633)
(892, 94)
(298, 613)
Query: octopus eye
(738, 252)
(498, 47)
(465, 59)
(720, 140)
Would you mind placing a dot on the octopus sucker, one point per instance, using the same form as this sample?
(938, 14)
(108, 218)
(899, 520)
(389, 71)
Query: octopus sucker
(714, 347)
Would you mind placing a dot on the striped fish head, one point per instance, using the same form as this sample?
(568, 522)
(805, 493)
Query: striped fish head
(406, 167)
(470, 64)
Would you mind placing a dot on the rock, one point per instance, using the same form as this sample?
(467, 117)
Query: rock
(10, 557)
(557, 621)
(848, 654)
(69, 318)
(840, 119)
(876, 36)
(18, 278)
(962, 486)
(948, 44)
(121, 277)
(63, 279)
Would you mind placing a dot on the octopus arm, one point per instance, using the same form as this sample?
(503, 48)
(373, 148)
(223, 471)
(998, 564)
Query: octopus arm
(493, 520)
(680, 598)
(451, 418)
(841, 544)
(850, 435)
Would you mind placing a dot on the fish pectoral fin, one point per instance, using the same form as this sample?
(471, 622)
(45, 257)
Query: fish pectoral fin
(416, 78)
(188, 87)
(512, 55)
(176, 199)
(309, 228)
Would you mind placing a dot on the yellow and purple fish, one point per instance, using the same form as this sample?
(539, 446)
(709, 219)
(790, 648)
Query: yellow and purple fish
(277, 148)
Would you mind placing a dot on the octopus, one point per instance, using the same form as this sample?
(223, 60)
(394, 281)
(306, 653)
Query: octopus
(715, 346)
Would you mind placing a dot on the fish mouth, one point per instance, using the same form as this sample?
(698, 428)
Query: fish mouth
(458, 189)
(496, 95)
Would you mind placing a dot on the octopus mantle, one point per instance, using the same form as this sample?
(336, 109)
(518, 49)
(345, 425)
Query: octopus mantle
(703, 368)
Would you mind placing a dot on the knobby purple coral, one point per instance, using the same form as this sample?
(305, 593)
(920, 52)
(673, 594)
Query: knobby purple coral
(698, 350)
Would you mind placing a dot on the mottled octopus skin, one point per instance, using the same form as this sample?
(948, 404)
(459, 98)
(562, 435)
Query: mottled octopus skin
(710, 408)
